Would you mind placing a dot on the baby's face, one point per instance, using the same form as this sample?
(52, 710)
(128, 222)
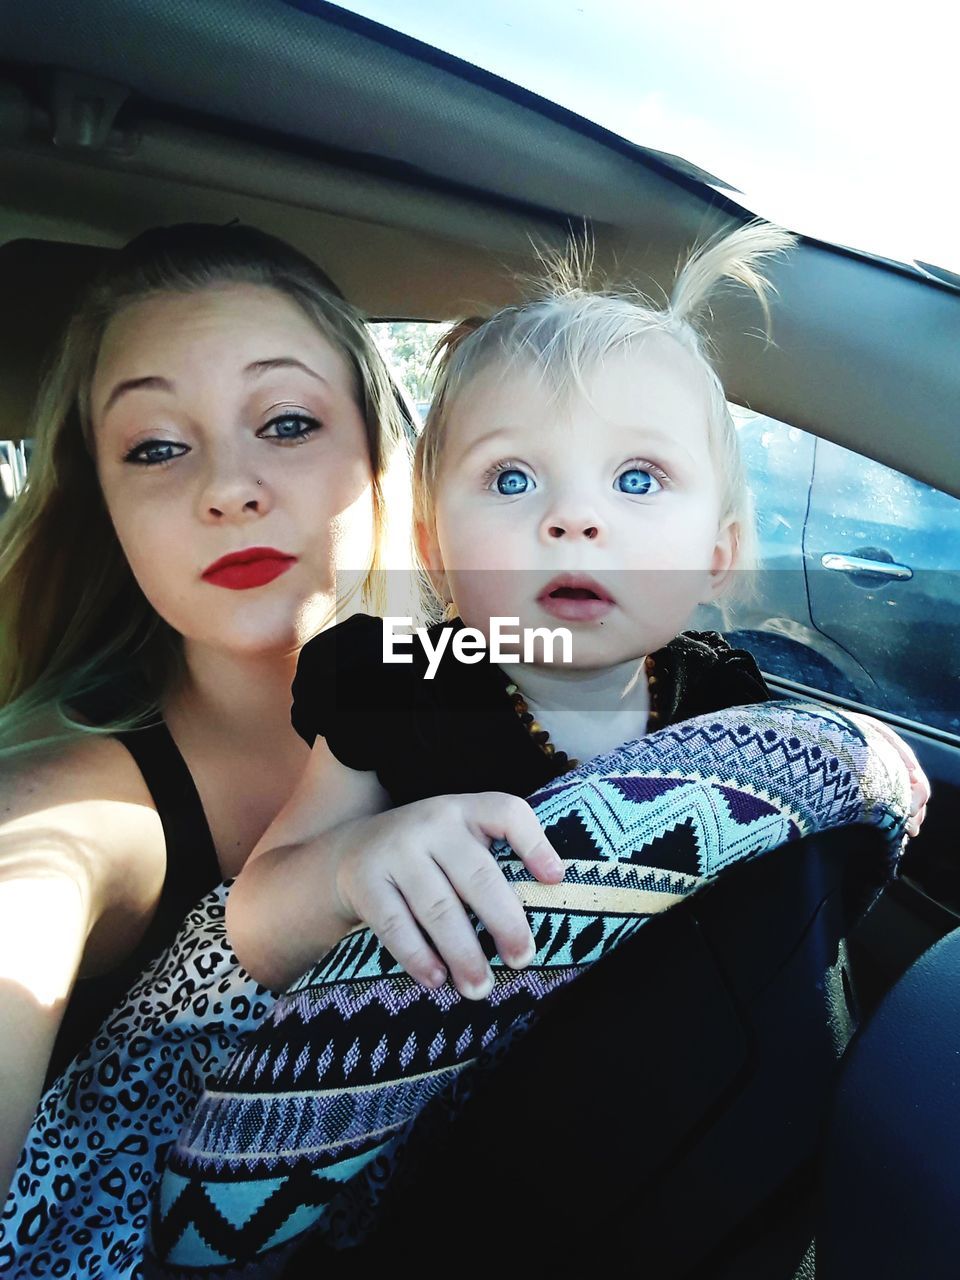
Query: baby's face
(598, 511)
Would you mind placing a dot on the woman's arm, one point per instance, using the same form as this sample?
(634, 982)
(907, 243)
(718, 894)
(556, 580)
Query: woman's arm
(335, 858)
(82, 861)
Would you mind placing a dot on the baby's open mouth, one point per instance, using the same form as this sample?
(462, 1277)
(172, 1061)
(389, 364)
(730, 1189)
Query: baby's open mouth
(568, 591)
(575, 586)
(574, 593)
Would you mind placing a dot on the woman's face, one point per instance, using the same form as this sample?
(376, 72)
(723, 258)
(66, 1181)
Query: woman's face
(225, 423)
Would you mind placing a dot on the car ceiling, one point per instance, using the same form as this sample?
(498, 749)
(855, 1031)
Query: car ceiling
(418, 182)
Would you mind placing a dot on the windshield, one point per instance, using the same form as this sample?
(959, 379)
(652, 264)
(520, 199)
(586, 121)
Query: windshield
(831, 119)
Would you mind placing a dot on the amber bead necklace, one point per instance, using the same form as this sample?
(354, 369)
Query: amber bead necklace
(561, 761)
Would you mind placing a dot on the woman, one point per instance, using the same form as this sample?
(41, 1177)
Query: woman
(213, 446)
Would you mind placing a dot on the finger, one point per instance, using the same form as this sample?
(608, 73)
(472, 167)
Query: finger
(922, 788)
(439, 912)
(902, 747)
(479, 881)
(505, 817)
(390, 918)
(919, 790)
(915, 822)
(908, 755)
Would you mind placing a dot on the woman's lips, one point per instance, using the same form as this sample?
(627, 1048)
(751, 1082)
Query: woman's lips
(575, 599)
(253, 567)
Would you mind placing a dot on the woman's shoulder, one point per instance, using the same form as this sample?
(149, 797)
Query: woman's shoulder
(82, 811)
(89, 768)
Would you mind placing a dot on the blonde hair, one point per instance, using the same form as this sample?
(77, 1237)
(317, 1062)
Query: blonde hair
(566, 329)
(73, 621)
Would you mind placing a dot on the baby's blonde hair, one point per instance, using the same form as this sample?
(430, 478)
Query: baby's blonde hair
(566, 329)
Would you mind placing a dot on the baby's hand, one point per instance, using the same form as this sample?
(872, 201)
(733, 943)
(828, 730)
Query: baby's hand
(409, 872)
(919, 783)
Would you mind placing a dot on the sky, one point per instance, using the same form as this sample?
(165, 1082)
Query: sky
(837, 119)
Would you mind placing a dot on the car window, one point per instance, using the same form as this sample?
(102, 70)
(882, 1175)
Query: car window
(14, 459)
(857, 589)
(407, 346)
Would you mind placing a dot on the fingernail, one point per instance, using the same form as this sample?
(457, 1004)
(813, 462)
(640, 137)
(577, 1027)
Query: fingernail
(522, 958)
(479, 991)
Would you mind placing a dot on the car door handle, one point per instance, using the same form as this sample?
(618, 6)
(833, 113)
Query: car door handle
(858, 564)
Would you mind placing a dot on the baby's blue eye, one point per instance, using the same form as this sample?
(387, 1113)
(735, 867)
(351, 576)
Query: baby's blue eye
(512, 482)
(638, 482)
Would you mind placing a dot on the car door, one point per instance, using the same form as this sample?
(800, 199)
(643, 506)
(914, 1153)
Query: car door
(882, 554)
(768, 611)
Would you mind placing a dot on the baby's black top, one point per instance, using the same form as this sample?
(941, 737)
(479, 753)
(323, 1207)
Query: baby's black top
(459, 731)
(192, 871)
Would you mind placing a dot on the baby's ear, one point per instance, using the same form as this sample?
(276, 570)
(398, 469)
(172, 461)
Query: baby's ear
(428, 550)
(724, 560)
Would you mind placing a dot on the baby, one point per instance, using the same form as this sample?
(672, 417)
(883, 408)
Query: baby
(578, 470)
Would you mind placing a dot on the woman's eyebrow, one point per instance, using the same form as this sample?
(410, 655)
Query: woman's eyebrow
(155, 383)
(281, 362)
(152, 383)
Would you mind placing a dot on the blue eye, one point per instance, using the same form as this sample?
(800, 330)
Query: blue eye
(153, 453)
(512, 481)
(290, 426)
(638, 482)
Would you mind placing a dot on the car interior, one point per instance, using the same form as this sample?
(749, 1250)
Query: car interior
(426, 188)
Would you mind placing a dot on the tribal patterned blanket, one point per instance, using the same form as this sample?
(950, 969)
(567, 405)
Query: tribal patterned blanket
(309, 1120)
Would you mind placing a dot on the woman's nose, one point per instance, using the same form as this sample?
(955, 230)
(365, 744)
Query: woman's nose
(232, 493)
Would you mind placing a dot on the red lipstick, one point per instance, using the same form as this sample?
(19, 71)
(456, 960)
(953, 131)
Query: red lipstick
(252, 567)
(576, 597)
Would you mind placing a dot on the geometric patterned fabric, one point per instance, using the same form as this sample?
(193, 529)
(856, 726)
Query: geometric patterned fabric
(308, 1121)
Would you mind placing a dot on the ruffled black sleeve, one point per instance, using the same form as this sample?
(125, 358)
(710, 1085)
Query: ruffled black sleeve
(701, 673)
(423, 732)
(344, 693)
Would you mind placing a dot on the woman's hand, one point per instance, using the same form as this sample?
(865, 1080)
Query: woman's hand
(919, 783)
(409, 873)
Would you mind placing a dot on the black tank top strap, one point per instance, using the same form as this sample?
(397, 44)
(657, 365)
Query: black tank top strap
(192, 865)
(192, 871)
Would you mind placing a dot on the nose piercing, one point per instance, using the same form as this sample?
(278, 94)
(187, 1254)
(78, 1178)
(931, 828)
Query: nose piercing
(259, 482)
